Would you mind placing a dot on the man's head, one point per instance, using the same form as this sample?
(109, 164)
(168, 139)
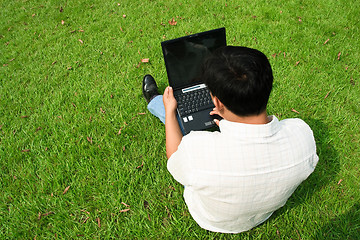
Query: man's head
(241, 78)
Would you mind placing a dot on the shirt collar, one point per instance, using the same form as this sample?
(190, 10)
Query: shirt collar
(250, 130)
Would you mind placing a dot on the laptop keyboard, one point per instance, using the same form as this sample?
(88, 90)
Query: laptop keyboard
(193, 101)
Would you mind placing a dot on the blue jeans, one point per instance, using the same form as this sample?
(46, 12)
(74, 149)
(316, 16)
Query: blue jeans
(156, 107)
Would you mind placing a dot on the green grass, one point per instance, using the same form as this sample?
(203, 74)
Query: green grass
(63, 103)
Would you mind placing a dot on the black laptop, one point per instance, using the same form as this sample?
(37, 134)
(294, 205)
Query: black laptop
(183, 59)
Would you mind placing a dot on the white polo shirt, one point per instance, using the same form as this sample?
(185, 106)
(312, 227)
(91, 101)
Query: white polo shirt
(236, 178)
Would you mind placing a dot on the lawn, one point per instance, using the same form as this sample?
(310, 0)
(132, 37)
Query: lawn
(80, 155)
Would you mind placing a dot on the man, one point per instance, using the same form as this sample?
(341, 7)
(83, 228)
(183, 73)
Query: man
(236, 178)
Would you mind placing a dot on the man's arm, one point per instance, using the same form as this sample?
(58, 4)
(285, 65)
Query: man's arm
(172, 128)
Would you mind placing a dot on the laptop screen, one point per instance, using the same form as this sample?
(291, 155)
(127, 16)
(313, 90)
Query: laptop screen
(184, 56)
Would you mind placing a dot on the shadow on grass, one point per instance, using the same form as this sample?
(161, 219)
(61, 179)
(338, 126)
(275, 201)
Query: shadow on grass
(345, 226)
(325, 171)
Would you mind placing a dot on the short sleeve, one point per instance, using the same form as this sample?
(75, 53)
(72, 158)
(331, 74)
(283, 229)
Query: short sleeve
(178, 164)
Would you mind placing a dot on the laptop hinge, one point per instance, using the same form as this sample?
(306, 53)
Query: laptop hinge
(193, 88)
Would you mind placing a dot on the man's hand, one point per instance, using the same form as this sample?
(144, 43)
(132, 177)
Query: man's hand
(169, 100)
(215, 111)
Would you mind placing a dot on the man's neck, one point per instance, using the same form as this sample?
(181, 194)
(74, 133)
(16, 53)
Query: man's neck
(262, 118)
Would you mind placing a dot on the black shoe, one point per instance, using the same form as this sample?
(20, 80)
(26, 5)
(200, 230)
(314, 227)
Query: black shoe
(149, 88)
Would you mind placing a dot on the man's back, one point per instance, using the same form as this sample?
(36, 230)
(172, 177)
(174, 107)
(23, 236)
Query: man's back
(236, 178)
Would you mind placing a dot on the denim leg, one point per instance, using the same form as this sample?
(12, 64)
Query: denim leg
(156, 107)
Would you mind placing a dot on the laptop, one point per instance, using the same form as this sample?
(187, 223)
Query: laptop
(183, 59)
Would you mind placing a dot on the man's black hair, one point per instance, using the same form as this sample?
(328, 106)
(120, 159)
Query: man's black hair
(240, 77)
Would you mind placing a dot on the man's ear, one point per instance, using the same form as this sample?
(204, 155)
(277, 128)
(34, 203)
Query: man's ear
(218, 104)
